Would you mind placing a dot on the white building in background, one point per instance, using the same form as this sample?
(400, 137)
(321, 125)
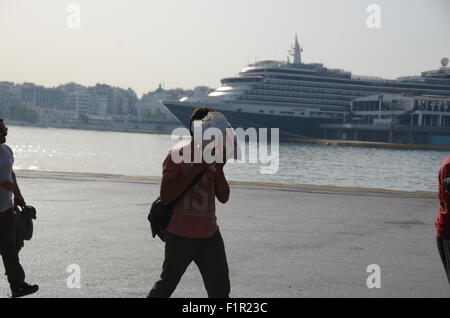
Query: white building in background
(202, 91)
(151, 106)
(9, 94)
(417, 111)
(55, 115)
(80, 101)
(84, 102)
(102, 105)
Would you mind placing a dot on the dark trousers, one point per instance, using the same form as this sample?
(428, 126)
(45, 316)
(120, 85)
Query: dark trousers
(209, 256)
(8, 249)
(444, 252)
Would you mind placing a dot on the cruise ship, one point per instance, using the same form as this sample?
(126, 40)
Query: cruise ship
(299, 97)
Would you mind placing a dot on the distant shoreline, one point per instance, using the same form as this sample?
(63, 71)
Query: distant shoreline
(324, 142)
(87, 176)
(369, 144)
(153, 132)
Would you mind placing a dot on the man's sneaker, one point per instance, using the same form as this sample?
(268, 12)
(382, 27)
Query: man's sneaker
(24, 290)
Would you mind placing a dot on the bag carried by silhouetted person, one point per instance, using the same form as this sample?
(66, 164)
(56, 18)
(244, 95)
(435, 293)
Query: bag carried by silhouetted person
(24, 224)
(160, 213)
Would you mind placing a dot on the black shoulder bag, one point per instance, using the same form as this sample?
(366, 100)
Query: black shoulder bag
(160, 213)
(24, 216)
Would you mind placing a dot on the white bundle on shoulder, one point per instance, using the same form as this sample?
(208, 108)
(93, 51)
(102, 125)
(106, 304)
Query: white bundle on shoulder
(218, 121)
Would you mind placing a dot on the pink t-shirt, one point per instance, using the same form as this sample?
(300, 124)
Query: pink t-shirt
(442, 223)
(194, 215)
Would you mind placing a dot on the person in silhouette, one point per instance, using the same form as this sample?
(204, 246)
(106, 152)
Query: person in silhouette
(193, 234)
(442, 223)
(8, 246)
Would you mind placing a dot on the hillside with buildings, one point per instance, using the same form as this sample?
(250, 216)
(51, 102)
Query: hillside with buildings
(100, 107)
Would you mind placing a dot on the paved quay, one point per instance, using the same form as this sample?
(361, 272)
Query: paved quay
(281, 241)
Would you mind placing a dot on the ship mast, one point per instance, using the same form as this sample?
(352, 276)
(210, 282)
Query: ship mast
(296, 51)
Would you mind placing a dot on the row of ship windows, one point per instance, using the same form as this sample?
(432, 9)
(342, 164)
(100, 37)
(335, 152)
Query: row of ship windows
(373, 85)
(294, 100)
(292, 72)
(278, 93)
(313, 114)
(432, 121)
(311, 90)
(368, 90)
(273, 112)
(322, 108)
(240, 80)
(441, 106)
(350, 90)
(326, 115)
(427, 120)
(313, 84)
(434, 108)
(376, 106)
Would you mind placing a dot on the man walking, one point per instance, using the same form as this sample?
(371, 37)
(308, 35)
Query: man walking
(8, 247)
(193, 234)
(442, 223)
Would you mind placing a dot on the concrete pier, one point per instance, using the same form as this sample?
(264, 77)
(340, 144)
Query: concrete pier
(281, 240)
(368, 144)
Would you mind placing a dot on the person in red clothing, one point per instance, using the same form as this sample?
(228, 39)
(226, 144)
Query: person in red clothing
(442, 223)
(193, 234)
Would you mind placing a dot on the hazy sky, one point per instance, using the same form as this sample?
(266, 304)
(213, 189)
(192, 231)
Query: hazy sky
(185, 43)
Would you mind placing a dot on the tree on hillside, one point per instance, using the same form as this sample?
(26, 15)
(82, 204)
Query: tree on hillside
(22, 113)
(83, 118)
(4, 112)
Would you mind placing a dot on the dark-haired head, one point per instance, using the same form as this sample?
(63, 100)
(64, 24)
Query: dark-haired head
(3, 132)
(198, 114)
